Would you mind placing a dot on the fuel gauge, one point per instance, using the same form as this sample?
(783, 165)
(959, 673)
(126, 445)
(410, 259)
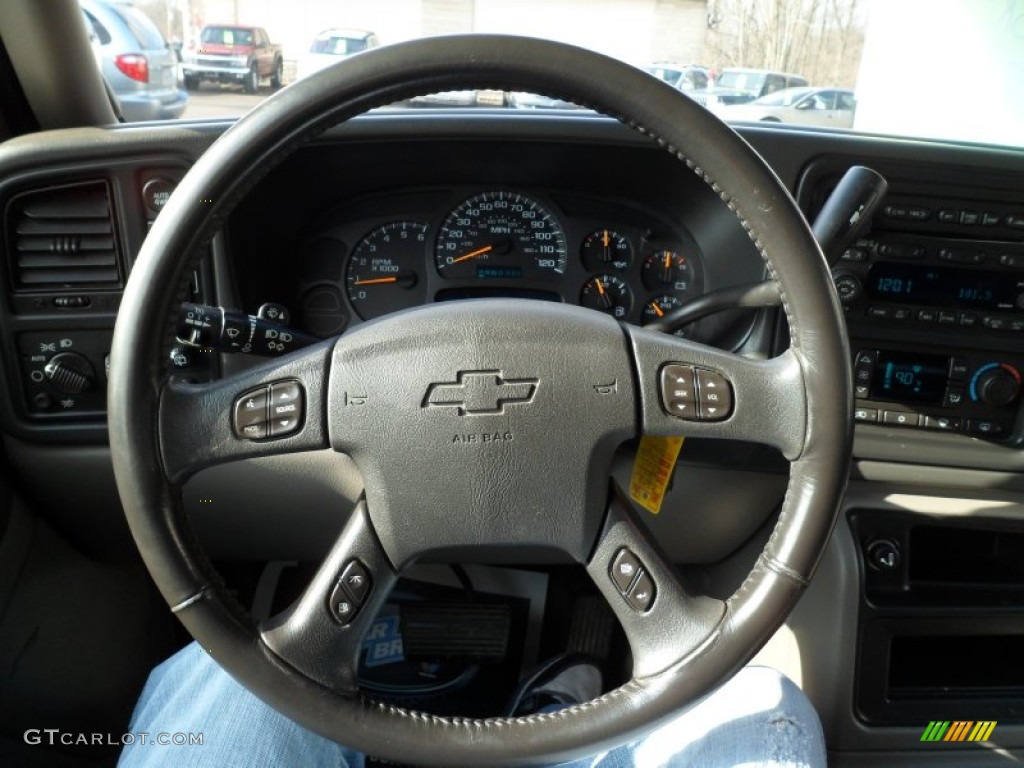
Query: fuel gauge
(606, 249)
(607, 293)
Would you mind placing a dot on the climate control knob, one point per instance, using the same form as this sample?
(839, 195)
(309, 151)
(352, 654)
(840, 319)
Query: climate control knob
(70, 373)
(996, 384)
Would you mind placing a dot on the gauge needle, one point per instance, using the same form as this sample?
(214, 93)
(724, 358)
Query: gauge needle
(377, 281)
(668, 261)
(657, 308)
(473, 254)
(606, 240)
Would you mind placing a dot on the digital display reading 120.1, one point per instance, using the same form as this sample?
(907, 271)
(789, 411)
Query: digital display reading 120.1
(943, 286)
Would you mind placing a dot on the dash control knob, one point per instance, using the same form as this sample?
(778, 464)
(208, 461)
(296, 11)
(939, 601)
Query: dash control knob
(996, 385)
(848, 287)
(70, 373)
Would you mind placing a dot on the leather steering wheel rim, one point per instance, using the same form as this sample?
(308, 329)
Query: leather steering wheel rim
(817, 438)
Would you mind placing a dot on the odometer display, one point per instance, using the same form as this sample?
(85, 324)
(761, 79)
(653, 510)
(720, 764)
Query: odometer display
(500, 236)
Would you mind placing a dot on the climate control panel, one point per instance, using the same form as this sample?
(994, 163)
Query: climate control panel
(969, 391)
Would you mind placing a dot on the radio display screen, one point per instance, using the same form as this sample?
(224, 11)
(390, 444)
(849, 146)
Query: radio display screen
(943, 286)
(910, 378)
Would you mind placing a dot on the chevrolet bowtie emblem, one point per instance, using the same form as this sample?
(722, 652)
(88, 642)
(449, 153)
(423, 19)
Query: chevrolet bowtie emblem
(480, 392)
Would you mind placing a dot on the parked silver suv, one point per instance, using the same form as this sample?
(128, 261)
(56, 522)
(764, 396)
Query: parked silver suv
(135, 60)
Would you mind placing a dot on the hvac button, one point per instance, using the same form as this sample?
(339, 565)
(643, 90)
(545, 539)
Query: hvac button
(901, 418)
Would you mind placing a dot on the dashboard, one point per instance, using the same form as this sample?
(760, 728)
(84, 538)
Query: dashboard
(391, 211)
(422, 247)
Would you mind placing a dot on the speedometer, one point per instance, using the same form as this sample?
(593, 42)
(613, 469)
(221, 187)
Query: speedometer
(500, 235)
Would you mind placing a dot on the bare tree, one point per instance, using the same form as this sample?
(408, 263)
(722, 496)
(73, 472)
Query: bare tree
(820, 39)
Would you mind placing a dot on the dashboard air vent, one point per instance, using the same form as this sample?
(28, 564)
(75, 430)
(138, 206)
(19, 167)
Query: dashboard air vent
(63, 237)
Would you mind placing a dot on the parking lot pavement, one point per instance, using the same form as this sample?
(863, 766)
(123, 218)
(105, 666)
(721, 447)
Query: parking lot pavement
(213, 100)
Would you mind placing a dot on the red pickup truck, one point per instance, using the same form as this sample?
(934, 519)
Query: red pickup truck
(233, 53)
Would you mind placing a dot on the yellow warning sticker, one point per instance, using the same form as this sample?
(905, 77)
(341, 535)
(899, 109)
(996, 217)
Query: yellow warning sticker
(652, 471)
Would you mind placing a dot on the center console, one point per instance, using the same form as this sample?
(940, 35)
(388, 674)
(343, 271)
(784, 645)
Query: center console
(934, 303)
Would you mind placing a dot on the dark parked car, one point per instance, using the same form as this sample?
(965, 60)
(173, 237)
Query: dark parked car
(738, 86)
(135, 60)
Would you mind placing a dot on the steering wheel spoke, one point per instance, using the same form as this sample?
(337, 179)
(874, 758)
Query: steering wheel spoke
(321, 633)
(691, 389)
(663, 621)
(275, 408)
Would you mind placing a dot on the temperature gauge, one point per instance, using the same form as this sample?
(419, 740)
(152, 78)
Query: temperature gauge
(668, 271)
(607, 293)
(606, 249)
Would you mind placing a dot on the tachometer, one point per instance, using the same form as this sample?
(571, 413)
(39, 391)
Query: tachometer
(385, 273)
(500, 235)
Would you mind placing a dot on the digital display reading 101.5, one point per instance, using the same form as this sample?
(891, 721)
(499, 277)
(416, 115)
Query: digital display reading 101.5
(903, 378)
(943, 286)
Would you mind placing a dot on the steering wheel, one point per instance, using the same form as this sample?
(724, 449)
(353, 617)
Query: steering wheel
(482, 424)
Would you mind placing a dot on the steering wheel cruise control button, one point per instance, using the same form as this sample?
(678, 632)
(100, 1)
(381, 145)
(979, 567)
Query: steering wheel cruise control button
(625, 568)
(631, 578)
(350, 592)
(641, 596)
(343, 608)
(695, 394)
(356, 581)
(250, 414)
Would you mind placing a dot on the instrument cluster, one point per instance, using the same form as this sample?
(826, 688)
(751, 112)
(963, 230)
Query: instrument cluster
(363, 261)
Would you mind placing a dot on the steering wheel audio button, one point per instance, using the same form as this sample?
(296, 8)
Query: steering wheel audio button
(250, 414)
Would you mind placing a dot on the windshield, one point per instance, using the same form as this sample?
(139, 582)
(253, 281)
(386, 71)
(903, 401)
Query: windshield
(784, 98)
(748, 82)
(742, 50)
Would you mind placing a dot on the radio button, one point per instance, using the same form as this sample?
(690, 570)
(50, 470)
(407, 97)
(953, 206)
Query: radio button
(901, 313)
(902, 251)
(1015, 221)
(968, 319)
(854, 253)
(927, 315)
(901, 418)
(943, 423)
(948, 215)
(869, 415)
(989, 219)
(947, 318)
(995, 323)
(961, 256)
(969, 218)
(879, 313)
